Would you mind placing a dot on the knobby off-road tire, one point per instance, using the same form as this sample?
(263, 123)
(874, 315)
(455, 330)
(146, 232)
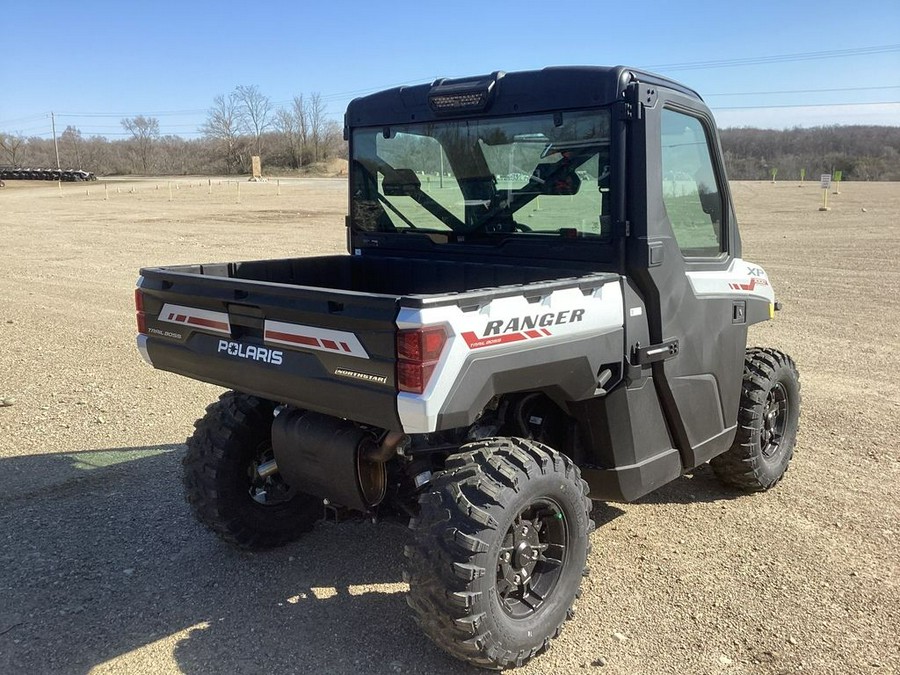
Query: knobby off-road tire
(222, 484)
(500, 548)
(768, 419)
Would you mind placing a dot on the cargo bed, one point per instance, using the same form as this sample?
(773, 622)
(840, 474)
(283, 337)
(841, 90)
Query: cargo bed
(315, 332)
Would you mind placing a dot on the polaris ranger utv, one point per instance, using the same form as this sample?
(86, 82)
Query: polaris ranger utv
(544, 304)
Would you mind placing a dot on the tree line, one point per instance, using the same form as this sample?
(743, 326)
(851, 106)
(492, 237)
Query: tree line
(859, 152)
(238, 125)
(300, 136)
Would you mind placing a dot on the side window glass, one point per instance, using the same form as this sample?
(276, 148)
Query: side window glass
(691, 195)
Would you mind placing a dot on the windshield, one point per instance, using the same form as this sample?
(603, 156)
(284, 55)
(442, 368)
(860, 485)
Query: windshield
(534, 174)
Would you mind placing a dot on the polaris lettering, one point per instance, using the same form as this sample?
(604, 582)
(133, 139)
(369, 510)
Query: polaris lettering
(517, 324)
(251, 352)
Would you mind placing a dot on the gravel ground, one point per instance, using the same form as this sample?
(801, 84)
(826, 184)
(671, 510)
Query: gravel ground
(103, 569)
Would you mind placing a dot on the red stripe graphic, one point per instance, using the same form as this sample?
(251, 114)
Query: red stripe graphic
(476, 342)
(746, 287)
(290, 337)
(314, 337)
(307, 340)
(208, 323)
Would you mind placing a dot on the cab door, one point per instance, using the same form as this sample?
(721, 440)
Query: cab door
(682, 223)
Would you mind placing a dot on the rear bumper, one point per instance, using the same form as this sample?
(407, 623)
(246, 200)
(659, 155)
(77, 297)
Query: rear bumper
(303, 379)
(142, 348)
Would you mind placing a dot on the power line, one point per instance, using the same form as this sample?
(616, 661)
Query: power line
(161, 113)
(692, 65)
(804, 105)
(30, 118)
(801, 91)
(778, 58)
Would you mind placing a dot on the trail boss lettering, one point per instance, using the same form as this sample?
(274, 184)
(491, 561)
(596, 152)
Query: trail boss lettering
(517, 324)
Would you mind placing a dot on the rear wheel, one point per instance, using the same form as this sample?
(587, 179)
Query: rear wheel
(767, 423)
(230, 480)
(499, 551)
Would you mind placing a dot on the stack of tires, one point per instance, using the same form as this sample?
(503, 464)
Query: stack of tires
(67, 175)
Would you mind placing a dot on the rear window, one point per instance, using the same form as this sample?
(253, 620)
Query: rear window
(531, 175)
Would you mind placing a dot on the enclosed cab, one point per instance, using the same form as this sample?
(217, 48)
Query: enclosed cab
(544, 303)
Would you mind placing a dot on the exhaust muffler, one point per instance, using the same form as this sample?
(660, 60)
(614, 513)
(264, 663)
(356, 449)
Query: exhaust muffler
(332, 458)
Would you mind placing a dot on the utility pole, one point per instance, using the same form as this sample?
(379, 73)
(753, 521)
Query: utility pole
(56, 145)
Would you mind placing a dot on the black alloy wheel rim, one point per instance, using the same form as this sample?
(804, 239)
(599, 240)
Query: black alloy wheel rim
(775, 416)
(532, 557)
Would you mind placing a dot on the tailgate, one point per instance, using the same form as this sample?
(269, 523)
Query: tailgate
(332, 351)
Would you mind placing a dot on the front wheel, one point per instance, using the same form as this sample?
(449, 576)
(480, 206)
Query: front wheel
(768, 419)
(231, 482)
(499, 552)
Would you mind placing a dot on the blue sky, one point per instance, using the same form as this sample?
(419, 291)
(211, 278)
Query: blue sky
(93, 63)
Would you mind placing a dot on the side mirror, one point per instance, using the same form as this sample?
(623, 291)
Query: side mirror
(554, 179)
(711, 203)
(401, 183)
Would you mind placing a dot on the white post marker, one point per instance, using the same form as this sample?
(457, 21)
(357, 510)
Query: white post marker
(825, 181)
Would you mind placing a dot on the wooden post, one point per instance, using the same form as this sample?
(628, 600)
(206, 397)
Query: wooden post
(106, 192)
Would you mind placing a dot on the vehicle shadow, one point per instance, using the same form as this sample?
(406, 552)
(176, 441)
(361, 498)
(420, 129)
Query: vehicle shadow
(699, 485)
(103, 568)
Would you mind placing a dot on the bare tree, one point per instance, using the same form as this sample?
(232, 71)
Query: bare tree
(10, 145)
(302, 118)
(223, 124)
(309, 114)
(72, 137)
(317, 120)
(286, 125)
(255, 111)
(144, 130)
(333, 140)
(97, 153)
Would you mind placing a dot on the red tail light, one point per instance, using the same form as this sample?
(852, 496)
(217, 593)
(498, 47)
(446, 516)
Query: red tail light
(139, 311)
(418, 352)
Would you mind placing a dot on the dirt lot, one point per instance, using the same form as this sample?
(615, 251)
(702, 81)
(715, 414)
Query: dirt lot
(103, 569)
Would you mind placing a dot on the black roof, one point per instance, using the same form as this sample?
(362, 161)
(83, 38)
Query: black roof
(527, 91)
